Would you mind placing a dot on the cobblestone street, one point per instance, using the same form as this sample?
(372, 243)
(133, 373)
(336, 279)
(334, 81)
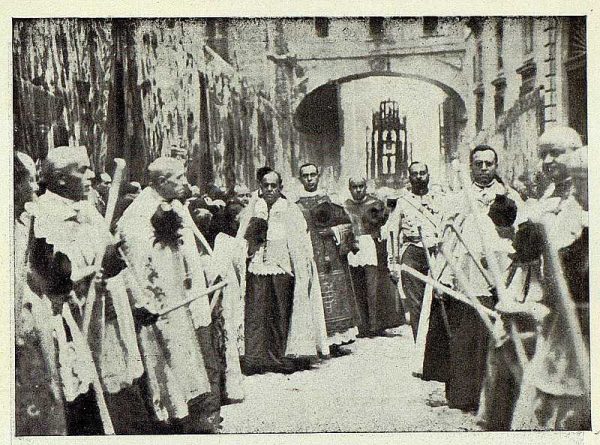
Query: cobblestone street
(371, 390)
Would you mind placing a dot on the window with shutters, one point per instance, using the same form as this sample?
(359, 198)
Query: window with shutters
(576, 77)
(478, 62)
(479, 98)
(376, 27)
(430, 26)
(499, 94)
(322, 26)
(527, 35)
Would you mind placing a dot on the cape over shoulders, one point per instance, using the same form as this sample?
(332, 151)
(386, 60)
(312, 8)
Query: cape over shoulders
(369, 199)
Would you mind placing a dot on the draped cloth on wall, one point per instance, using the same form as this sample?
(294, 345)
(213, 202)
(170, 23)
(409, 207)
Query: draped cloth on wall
(70, 63)
(132, 88)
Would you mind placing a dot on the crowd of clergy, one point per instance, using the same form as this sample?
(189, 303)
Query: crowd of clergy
(143, 309)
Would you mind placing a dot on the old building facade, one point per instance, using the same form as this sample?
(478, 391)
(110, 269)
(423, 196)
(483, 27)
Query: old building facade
(524, 75)
(242, 93)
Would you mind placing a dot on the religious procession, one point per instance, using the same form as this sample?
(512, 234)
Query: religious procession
(147, 302)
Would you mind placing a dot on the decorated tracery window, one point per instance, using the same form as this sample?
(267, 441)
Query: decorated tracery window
(387, 159)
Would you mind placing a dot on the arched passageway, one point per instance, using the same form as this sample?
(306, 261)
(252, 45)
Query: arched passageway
(334, 120)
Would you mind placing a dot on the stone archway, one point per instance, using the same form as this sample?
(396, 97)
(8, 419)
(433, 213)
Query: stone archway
(319, 117)
(443, 68)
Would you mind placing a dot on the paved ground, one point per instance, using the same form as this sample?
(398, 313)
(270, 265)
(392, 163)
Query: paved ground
(367, 391)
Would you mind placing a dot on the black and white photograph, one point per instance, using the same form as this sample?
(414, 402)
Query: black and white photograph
(305, 224)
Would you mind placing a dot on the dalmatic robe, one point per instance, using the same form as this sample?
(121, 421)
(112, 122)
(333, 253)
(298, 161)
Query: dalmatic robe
(228, 315)
(552, 394)
(38, 394)
(233, 252)
(163, 276)
(78, 232)
(339, 302)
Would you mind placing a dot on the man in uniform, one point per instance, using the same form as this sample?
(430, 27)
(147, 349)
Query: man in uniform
(331, 235)
(416, 225)
(377, 296)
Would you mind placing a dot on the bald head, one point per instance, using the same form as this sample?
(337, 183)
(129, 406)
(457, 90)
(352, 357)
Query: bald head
(358, 188)
(167, 176)
(241, 188)
(105, 177)
(163, 166)
(242, 193)
(61, 158)
(552, 146)
(66, 172)
(561, 138)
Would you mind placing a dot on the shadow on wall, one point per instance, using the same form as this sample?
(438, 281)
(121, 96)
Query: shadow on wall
(317, 119)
